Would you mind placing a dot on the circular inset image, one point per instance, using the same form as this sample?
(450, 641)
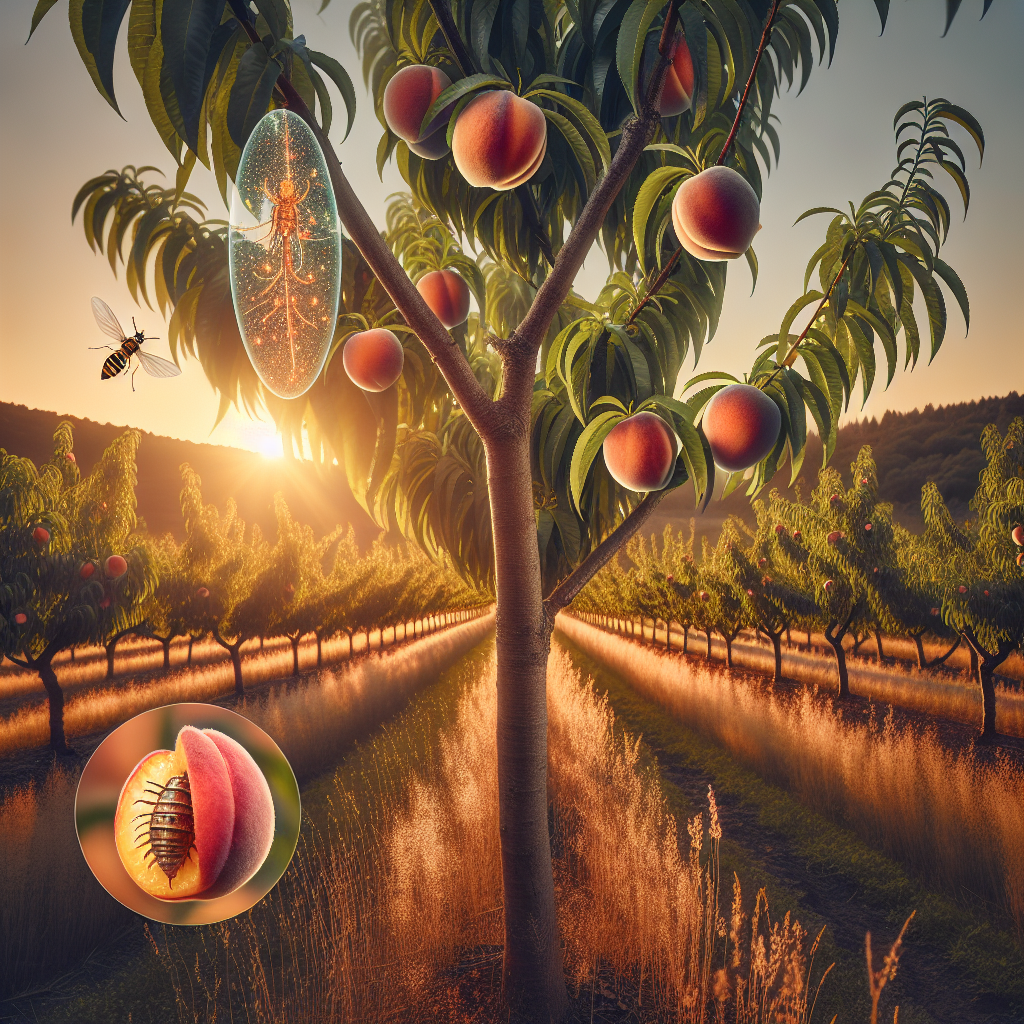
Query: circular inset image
(188, 814)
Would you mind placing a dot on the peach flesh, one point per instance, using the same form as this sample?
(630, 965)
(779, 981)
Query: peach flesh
(373, 359)
(499, 140)
(447, 295)
(408, 97)
(742, 425)
(213, 812)
(716, 214)
(640, 452)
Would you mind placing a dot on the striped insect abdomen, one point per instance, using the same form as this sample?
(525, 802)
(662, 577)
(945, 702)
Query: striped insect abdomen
(113, 364)
(172, 832)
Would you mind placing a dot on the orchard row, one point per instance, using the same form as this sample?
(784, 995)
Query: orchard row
(838, 564)
(76, 570)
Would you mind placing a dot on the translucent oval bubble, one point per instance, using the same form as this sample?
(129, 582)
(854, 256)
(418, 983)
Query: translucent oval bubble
(284, 253)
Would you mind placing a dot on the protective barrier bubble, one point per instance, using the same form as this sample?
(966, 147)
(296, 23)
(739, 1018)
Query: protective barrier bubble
(284, 254)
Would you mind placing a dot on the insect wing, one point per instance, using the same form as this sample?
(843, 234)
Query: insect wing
(157, 366)
(106, 320)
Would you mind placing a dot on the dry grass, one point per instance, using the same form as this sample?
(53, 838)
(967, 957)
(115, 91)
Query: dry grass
(950, 817)
(371, 925)
(102, 706)
(53, 912)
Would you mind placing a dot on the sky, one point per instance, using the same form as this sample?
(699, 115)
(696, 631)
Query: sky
(837, 145)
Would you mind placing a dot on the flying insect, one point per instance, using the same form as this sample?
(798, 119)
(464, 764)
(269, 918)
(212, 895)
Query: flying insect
(129, 345)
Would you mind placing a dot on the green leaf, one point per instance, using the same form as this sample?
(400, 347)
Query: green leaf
(805, 300)
(710, 375)
(460, 89)
(251, 93)
(955, 285)
(339, 76)
(94, 27)
(587, 447)
(650, 191)
(42, 7)
(629, 46)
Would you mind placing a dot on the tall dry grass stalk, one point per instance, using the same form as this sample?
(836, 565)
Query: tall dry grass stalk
(100, 707)
(369, 922)
(952, 819)
(53, 912)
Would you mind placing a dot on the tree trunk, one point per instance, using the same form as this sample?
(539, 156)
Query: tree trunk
(167, 652)
(191, 641)
(789, 641)
(111, 647)
(836, 643)
(349, 646)
(532, 978)
(261, 645)
(975, 675)
(878, 644)
(708, 634)
(988, 700)
(776, 639)
(808, 640)
(72, 655)
(55, 699)
(920, 650)
(668, 634)
(319, 651)
(236, 664)
(686, 638)
(295, 653)
(728, 650)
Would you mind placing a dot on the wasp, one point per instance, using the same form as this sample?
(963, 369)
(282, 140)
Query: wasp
(130, 345)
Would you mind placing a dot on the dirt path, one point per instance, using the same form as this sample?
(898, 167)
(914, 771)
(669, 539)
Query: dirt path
(957, 966)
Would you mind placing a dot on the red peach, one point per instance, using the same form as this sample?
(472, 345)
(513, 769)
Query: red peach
(87, 570)
(833, 537)
(935, 611)
(750, 593)
(373, 359)
(867, 526)
(833, 499)
(407, 98)
(1020, 558)
(289, 589)
(499, 140)
(70, 457)
(105, 603)
(962, 589)
(1018, 536)
(766, 580)
(670, 577)
(40, 535)
(762, 561)
(677, 92)
(433, 147)
(742, 425)
(875, 569)
(115, 566)
(253, 831)
(986, 593)
(640, 452)
(703, 595)
(797, 535)
(20, 618)
(716, 214)
(203, 593)
(829, 584)
(863, 479)
(447, 294)
(780, 529)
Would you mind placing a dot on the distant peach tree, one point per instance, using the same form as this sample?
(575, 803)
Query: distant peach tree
(530, 441)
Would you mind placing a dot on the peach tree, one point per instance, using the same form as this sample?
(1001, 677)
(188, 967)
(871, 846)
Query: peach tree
(72, 570)
(530, 444)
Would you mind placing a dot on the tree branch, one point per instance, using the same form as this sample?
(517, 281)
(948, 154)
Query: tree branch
(450, 360)
(761, 47)
(656, 287)
(636, 134)
(564, 593)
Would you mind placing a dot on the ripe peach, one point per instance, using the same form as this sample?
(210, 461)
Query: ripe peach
(1020, 558)
(867, 526)
(20, 618)
(87, 570)
(875, 569)
(40, 535)
(447, 295)
(214, 823)
(797, 535)
(203, 593)
(829, 584)
(742, 425)
(407, 98)
(373, 359)
(289, 589)
(750, 593)
(640, 452)
(677, 92)
(716, 214)
(499, 140)
(833, 537)
(106, 603)
(115, 566)
(703, 595)
(986, 593)
(962, 589)
(1018, 536)
(669, 578)
(780, 529)
(70, 457)
(762, 561)
(863, 479)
